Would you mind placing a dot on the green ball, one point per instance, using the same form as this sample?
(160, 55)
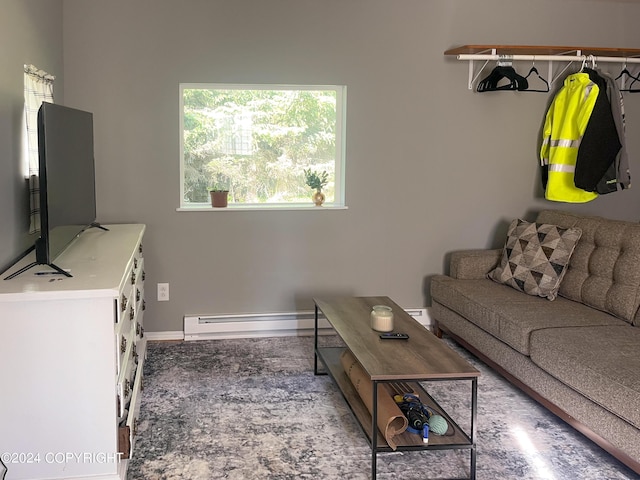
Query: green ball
(438, 425)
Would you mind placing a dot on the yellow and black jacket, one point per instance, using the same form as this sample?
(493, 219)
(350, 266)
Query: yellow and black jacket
(565, 124)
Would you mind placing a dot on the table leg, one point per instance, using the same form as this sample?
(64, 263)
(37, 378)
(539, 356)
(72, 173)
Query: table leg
(474, 413)
(315, 343)
(374, 432)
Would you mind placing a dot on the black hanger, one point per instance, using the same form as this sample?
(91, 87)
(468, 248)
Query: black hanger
(630, 75)
(490, 83)
(535, 70)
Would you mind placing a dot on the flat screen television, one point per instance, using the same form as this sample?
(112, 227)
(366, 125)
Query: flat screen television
(67, 181)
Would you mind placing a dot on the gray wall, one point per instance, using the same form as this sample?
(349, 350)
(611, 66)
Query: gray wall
(431, 166)
(30, 33)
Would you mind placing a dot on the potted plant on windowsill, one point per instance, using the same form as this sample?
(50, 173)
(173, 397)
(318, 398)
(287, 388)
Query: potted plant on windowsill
(316, 181)
(219, 197)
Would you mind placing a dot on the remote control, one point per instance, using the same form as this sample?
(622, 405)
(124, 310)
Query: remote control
(394, 336)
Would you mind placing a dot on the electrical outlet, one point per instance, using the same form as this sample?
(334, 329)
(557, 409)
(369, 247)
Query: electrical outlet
(163, 292)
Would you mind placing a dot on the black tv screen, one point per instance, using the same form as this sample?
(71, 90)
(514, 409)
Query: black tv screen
(67, 178)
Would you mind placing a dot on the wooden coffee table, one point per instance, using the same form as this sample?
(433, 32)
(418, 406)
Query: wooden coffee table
(421, 358)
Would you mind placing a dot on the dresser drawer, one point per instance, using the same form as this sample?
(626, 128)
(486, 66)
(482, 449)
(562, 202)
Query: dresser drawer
(138, 324)
(125, 300)
(128, 426)
(131, 350)
(126, 378)
(124, 336)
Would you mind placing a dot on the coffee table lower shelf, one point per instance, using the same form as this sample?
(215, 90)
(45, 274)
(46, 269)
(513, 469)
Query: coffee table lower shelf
(456, 437)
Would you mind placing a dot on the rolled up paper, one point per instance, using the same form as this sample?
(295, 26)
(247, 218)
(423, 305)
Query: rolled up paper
(390, 421)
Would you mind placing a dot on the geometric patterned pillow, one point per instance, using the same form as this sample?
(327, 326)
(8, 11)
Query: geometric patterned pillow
(536, 257)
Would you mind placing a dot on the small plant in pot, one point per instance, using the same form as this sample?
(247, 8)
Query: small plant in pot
(316, 181)
(219, 197)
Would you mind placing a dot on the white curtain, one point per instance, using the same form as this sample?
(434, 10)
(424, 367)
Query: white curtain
(38, 88)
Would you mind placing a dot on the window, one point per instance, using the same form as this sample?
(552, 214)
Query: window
(38, 88)
(257, 140)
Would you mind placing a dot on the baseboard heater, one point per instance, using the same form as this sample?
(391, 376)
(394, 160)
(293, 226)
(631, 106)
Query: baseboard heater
(202, 327)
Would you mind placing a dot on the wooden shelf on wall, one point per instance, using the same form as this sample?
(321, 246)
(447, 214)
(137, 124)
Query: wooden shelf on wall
(543, 50)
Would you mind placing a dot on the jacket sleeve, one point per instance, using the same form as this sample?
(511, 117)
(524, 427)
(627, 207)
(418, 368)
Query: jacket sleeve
(620, 169)
(545, 148)
(600, 143)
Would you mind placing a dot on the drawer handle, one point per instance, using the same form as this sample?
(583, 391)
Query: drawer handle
(135, 353)
(123, 303)
(135, 426)
(127, 388)
(137, 328)
(135, 263)
(138, 295)
(144, 305)
(132, 313)
(141, 332)
(140, 248)
(143, 275)
(133, 278)
(123, 345)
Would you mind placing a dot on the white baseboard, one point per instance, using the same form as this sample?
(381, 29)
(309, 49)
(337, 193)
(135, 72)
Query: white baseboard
(200, 327)
(164, 336)
(421, 315)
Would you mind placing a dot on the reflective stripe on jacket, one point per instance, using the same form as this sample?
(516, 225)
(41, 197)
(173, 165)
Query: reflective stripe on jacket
(564, 126)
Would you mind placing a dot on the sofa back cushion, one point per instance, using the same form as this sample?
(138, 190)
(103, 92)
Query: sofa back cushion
(604, 270)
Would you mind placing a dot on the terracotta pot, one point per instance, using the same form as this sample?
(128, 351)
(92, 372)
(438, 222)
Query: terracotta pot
(219, 199)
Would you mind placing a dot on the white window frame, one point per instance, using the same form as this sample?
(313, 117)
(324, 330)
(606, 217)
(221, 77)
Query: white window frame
(339, 187)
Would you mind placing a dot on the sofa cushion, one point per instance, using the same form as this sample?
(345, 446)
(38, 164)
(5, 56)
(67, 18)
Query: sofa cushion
(535, 257)
(510, 315)
(604, 270)
(602, 363)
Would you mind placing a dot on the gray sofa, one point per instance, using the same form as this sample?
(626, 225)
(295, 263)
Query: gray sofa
(578, 355)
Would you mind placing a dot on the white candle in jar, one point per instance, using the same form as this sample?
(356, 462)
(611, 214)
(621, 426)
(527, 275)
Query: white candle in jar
(382, 318)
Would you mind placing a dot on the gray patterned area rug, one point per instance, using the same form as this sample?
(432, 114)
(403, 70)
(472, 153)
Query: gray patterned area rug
(248, 409)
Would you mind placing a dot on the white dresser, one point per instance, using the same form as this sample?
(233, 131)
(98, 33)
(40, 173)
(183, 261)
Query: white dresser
(71, 359)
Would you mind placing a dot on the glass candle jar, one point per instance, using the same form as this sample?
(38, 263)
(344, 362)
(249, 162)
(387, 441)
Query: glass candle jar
(382, 318)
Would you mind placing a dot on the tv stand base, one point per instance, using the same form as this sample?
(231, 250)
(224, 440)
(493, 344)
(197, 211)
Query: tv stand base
(33, 264)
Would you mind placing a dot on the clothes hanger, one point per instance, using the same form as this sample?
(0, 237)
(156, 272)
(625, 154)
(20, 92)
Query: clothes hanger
(585, 66)
(592, 70)
(627, 73)
(584, 62)
(535, 70)
(502, 72)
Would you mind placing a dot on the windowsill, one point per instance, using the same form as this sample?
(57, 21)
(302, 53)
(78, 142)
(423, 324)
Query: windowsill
(254, 208)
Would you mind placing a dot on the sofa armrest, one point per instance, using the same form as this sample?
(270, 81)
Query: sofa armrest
(473, 264)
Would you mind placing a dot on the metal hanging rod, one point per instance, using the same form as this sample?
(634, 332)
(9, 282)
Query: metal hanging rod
(569, 59)
(548, 58)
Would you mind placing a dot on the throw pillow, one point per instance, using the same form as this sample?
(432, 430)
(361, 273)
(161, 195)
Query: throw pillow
(536, 257)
